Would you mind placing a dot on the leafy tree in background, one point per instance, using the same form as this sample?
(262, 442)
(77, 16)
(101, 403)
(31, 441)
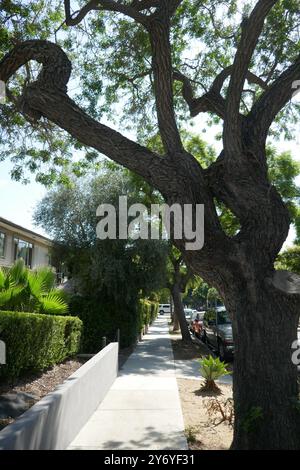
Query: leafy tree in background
(290, 259)
(196, 296)
(119, 270)
(162, 59)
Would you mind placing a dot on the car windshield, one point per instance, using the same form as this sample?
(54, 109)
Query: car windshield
(223, 318)
(187, 311)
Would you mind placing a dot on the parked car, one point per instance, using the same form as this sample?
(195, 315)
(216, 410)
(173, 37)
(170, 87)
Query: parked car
(192, 317)
(196, 323)
(188, 314)
(164, 308)
(217, 332)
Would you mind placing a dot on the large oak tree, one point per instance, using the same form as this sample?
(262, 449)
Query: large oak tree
(248, 80)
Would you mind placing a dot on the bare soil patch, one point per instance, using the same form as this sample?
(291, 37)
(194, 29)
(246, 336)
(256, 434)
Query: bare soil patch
(16, 398)
(203, 428)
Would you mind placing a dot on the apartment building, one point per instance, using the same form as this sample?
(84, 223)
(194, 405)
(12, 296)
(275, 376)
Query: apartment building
(18, 242)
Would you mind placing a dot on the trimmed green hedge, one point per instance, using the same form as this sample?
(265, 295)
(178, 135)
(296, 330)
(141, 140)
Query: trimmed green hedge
(36, 341)
(147, 312)
(102, 318)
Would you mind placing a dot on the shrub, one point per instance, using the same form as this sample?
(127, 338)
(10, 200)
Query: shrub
(36, 341)
(101, 317)
(211, 369)
(147, 311)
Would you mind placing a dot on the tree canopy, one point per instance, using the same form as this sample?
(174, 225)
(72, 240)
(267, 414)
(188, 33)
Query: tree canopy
(113, 75)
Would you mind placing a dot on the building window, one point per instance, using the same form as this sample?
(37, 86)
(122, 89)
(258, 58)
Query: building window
(23, 250)
(2, 244)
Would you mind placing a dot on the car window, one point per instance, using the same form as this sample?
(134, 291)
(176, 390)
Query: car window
(223, 318)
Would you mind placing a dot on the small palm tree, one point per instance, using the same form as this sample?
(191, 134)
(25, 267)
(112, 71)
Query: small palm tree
(31, 291)
(211, 369)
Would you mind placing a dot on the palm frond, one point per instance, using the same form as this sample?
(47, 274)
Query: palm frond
(52, 303)
(18, 272)
(47, 276)
(2, 279)
(9, 296)
(36, 285)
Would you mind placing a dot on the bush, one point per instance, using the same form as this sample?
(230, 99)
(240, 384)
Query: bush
(103, 318)
(36, 341)
(147, 312)
(211, 369)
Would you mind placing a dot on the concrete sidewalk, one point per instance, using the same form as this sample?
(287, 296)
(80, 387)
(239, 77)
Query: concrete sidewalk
(142, 409)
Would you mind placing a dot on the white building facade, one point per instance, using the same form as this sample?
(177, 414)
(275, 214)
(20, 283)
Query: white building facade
(18, 242)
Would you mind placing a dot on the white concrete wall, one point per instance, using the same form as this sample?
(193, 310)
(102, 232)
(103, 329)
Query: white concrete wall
(53, 422)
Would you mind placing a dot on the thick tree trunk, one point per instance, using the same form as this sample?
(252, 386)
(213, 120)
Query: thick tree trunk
(176, 325)
(266, 395)
(179, 313)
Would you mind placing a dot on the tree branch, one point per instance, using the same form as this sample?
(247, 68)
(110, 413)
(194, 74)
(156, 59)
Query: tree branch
(272, 101)
(47, 97)
(141, 5)
(159, 32)
(212, 101)
(251, 30)
(109, 5)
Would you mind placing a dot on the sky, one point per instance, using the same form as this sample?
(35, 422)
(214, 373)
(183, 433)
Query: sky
(17, 201)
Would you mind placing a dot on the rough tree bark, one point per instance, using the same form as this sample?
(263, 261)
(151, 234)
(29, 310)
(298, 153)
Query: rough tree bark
(176, 286)
(264, 312)
(179, 315)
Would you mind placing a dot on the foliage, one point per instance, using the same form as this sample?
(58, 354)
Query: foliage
(120, 269)
(31, 291)
(190, 434)
(213, 297)
(112, 65)
(102, 317)
(252, 419)
(147, 312)
(43, 149)
(35, 342)
(289, 260)
(196, 296)
(283, 170)
(211, 369)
